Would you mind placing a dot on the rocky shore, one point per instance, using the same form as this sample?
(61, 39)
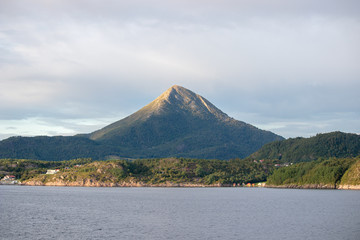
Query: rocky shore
(316, 186)
(91, 183)
(305, 186)
(349, 187)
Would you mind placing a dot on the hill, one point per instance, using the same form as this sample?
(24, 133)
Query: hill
(179, 123)
(351, 177)
(329, 173)
(144, 172)
(342, 173)
(335, 144)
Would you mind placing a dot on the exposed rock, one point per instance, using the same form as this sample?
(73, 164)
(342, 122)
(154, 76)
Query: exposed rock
(91, 183)
(305, 186)
(349, 187)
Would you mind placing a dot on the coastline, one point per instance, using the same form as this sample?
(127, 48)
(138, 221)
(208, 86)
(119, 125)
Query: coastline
(316, 186)
(90, 183)
(305, 186)
(349, 187)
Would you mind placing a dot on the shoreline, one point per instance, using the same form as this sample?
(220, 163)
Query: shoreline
(316, 186)
(90, 183)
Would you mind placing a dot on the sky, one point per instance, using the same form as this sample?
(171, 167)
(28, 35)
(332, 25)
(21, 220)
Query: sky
(69, 67)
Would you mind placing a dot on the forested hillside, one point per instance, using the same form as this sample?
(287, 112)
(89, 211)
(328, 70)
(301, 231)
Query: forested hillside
(335, 144)
(53, 148)
(352, 175)
(322, 173)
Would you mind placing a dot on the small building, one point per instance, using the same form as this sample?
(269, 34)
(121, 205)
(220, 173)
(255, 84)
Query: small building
(9, 178)
(52, 171)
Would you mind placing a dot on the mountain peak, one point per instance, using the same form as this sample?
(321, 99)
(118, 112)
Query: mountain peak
(174, 90)
(177, 92)
(178, 98)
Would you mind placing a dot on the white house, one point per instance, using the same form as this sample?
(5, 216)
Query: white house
(52, 171)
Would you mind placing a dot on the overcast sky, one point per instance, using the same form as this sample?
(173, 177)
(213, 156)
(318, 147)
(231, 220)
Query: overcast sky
(68, 67)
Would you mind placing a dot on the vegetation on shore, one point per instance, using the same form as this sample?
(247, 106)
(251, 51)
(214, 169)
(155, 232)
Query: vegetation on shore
(147, 171)
(24, 169)
(323, 173)
(352, 175)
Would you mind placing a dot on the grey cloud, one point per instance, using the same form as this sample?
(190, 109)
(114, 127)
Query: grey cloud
(281, 60)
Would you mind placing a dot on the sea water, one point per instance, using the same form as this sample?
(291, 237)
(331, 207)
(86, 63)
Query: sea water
(177, 213)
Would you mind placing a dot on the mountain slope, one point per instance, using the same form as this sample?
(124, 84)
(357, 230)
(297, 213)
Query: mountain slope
(352, 176)
(179, 123)
(51, 148)
(183, 124)
(335, 144)
(176, 101)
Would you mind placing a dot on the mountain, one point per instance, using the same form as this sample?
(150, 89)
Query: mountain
(335, 144)
(179, 123)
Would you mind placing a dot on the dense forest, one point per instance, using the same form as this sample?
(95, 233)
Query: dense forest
(293, 150)
(56, 148)
(324, 173)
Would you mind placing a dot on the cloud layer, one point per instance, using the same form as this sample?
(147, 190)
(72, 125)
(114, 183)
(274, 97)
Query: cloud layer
(287, 66)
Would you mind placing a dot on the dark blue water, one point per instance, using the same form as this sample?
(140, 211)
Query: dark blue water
(177, 213)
